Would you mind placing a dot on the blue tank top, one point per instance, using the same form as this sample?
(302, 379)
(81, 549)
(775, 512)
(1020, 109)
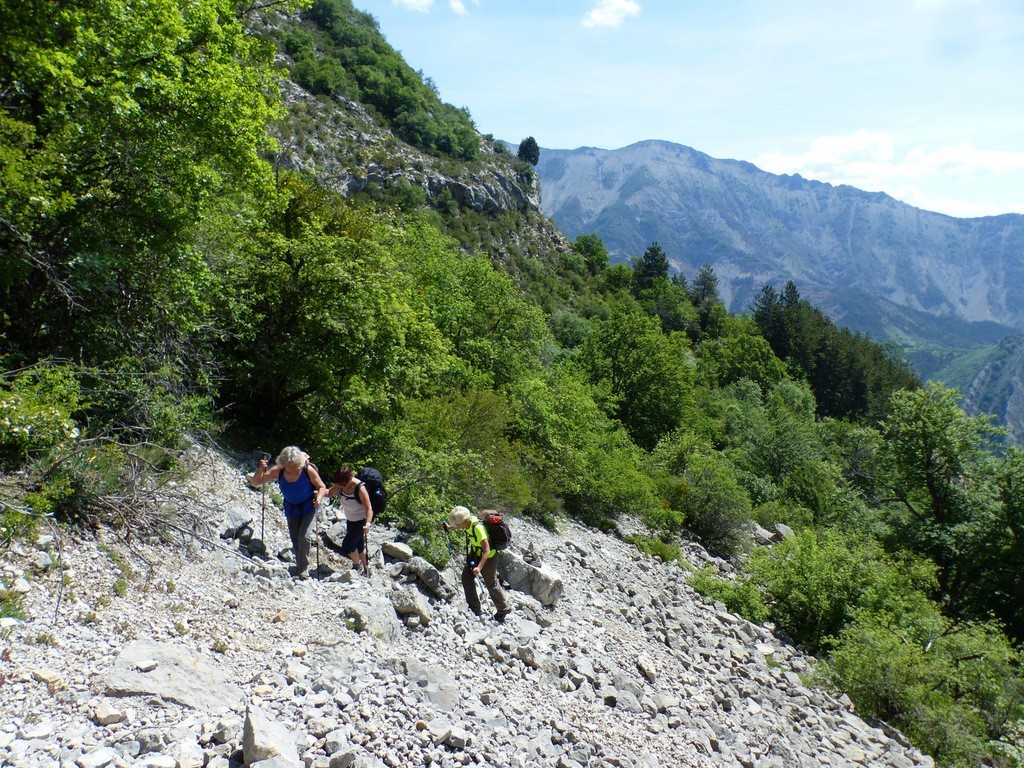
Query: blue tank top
(298, 496)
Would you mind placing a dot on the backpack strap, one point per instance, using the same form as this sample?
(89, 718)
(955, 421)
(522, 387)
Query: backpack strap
(355, 492)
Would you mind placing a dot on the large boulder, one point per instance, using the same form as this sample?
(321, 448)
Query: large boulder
(541, 583)
(235, 520)
(409, 601)
(172, 672)
(430, 578)
(264, 738)
(374, 615)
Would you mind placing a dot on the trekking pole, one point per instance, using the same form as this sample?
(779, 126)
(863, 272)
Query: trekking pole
(263, 456)
(263, 518)
(316, 532)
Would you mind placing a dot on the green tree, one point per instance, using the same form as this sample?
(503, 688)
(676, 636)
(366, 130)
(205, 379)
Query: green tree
(121, 125)
(328, 337)
(714, 505)
(528, 151)
(646, 377)
(580, 458)
(817, 582)
(594, 254)
(944, 486)
(740, 352)
(649, 268)
(851, 376)
(711, 313)
(670, 304)
(954, 689)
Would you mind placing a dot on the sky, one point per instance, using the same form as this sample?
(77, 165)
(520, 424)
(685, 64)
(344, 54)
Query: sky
(921, 99)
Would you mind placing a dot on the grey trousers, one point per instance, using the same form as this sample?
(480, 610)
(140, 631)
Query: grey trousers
(298, 532)
(490, 574)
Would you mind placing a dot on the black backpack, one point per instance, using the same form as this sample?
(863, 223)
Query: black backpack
(374, 482)
(498, 532)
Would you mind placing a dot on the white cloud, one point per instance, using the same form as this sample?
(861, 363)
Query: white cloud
(868, 160)
(425, 6)
(421, 6)
(610, 13)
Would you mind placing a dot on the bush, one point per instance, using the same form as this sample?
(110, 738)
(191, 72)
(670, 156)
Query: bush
(717, 509)
(740, 595)
(816, 583)
(36, 413)
(656, 547)
(955, 690)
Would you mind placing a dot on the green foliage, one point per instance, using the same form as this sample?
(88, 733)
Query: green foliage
(740, 596)
(593, 251)
(528, 151)
(645, 378)
(349, 56)
(711, 313)
(404, 195)
(37, 408)
(477, 308)
(669, 303)
(580, 458)
(946, 486)
(954, 689)
(570, 330)
(739, 352)
(341, 327)
(110, 157)
(465, 432)
(716, 508)
(851, 376)
(768, 438)
(649, 268)
(656, 547)
(815, 583)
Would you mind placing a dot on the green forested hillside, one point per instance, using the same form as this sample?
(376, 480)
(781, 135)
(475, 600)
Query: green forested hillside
(161, 279)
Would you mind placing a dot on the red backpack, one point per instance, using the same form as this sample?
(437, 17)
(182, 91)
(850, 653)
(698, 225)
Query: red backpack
(498, 532)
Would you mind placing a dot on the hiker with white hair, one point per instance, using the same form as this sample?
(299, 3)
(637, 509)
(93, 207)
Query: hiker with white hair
(480, 561)
(303, 490)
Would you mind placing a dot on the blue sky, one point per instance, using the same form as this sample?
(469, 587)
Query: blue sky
(922, 99)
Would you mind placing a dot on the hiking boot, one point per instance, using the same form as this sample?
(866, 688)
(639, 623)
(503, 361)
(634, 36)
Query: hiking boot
(500, 615)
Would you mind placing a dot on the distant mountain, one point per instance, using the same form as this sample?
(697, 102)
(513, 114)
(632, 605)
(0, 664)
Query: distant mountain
(873, 263)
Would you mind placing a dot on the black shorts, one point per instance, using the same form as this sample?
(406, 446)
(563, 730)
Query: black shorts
(355, 539)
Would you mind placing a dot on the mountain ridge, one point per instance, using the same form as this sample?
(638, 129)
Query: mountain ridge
(757, 228)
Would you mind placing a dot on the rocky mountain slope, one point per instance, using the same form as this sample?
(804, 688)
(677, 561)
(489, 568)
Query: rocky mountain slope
(190, 652)
(861, 256)
(349, 150)
(996, 385)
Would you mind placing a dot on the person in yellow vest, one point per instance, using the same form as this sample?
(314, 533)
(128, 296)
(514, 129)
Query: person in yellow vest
(480, 561)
